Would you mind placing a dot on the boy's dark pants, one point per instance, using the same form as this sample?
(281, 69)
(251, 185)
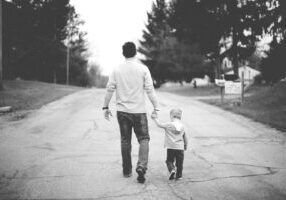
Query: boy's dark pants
(178, 156)
(137, 121)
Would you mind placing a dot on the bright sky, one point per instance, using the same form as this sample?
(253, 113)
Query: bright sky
(109, 24)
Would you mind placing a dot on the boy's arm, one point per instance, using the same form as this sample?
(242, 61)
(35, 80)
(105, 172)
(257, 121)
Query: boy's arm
(159, 124)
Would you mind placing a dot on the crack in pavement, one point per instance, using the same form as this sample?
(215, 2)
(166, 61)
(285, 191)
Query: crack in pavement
(237, 140)
(270, 170)
(145, 191)
(93, 127)
(241, 142)
(46, 146)
(250, 165)
(142, 191)
(228, 177)
(42, 177)
(202, 158)
(173, 190)
(71, 157)
(87, 133)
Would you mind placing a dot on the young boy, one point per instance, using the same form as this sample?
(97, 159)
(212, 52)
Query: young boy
(176, 142)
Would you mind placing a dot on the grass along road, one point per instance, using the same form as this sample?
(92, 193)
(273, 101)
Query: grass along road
(30, 95)
(265, 104)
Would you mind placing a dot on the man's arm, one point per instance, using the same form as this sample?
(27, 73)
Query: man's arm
(107, 98)
(149, 88)
(110, 88)
(186, 141)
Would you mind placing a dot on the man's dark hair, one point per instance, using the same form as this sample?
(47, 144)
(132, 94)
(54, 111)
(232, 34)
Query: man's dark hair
(129, 50)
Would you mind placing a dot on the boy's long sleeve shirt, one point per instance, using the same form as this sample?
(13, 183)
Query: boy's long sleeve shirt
(175, 136)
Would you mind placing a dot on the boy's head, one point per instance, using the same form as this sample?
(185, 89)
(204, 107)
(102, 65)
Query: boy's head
(129, 50)
(176, 113)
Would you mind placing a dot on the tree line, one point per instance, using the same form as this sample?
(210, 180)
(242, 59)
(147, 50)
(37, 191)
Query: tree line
(37, 35)
(184, 39)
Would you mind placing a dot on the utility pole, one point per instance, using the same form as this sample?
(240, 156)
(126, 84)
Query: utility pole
(1, 62)
(68, 63)
(68, 49)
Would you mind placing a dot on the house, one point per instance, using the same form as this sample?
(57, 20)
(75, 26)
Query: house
(249, 73)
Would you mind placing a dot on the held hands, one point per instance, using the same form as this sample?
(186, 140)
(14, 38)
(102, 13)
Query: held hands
(154, 115)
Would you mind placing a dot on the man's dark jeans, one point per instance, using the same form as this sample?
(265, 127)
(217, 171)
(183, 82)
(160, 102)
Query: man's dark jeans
(178, 156)
(139, 123)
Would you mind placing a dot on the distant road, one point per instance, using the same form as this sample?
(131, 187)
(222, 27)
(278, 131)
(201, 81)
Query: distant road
(66, 150)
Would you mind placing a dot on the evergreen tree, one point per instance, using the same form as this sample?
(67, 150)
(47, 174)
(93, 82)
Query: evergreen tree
(273, 67)
(244, 21)
(169, 58)
(154, 37)
(193, 24)
(1, 52)
(277, 19)
(78, 50)
(35, 34)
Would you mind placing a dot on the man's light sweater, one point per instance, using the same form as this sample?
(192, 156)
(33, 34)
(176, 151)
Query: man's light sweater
(131, 80)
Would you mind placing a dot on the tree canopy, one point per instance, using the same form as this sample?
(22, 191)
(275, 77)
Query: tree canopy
(182, 37)
(35, 39)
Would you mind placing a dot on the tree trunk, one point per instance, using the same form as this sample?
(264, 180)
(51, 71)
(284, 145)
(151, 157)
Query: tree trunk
(235, 22)
(235, 53)
(1, 63)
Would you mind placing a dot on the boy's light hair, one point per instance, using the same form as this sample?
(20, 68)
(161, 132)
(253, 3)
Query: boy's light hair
(176, 113)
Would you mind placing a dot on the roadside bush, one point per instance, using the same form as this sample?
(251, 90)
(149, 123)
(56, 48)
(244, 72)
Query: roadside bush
(273, 68)
(258, 79)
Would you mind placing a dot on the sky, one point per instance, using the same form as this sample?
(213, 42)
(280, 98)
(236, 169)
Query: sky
(109, 24)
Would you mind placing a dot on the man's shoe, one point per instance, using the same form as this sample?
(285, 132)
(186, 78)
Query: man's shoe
(127, 175)
(172, 174)
(141, 175)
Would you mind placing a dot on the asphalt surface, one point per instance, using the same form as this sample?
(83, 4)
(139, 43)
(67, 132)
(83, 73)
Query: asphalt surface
(66, 150)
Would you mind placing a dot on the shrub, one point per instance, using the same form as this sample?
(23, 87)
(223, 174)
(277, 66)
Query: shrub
(273, 68)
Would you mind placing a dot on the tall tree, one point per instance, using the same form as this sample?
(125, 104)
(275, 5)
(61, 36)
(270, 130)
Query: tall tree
(35, 34)
(1, 63)
(33, 37)
(78, 50)
(243, 21)
(169, 58)
(193, 23)
(154, 37)
(273, 66)
(277, 19)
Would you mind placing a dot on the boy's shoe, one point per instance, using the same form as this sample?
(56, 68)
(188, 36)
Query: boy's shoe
(172, 174)
(179, 177)
(127, 175)
(141, 175)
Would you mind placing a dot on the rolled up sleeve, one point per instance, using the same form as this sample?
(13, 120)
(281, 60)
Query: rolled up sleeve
(149, 88)
(111, 84)
(148, 82)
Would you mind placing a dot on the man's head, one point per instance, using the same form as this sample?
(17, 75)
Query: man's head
(176, 113)
(129, 50)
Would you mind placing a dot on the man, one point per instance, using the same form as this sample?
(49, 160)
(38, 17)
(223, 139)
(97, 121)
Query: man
(131, 80)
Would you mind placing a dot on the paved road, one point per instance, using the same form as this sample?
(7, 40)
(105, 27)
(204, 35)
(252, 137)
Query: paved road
(67, 151)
